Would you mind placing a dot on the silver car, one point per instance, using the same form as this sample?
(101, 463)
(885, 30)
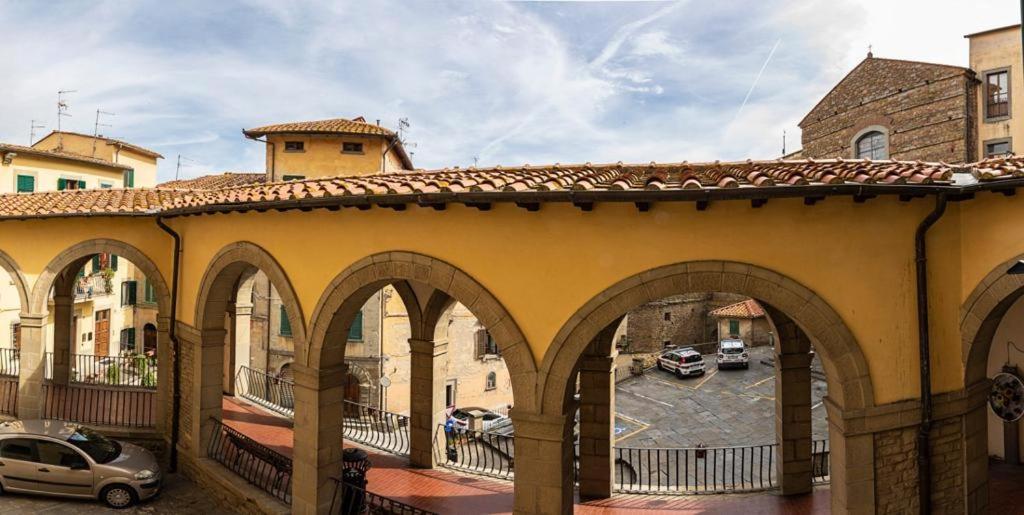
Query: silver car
(64, 459)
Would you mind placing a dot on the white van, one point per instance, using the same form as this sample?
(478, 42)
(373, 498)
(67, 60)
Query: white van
(683, 362)
(732, 353)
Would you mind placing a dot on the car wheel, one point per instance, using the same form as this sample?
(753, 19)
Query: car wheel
(679, 374)
(118, 496)
(660, 366)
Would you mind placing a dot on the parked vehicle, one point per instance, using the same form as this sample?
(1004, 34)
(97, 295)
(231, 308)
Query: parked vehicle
(58, 458)
(682, 362)
(732, 353)
(487, 418)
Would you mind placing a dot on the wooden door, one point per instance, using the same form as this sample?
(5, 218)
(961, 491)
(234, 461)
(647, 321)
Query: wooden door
(102, 332)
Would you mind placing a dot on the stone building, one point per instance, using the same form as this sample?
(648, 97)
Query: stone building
(681, 320)
(745, 320)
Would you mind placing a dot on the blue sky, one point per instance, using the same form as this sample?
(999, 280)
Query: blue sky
(500, 83)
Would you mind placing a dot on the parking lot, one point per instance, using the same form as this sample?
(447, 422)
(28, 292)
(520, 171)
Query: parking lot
(179, 497)
(719, 408)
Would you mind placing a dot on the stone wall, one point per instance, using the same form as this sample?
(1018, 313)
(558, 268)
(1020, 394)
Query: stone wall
(926, 109)
(687, 324)
(896, 477)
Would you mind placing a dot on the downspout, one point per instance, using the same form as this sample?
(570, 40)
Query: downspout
(172, 333)
(273, 155)
(924, 348)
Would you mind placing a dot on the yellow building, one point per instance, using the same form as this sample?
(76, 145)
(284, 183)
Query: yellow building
(328, 148)
(140, 163)
(995, 56)
(29, 169)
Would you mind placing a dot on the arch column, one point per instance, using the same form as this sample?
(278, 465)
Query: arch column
(429, 361)
(597, 417)
(317, 456)
(209, 388)
(544, 462)
(230, 343)
(63, 336)
(164, 377)
(31, 366)
(792, 405)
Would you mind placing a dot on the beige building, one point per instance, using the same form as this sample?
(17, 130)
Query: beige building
(995, 56)
(745, 320)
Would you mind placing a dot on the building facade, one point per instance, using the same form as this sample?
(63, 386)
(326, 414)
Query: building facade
(995, 56)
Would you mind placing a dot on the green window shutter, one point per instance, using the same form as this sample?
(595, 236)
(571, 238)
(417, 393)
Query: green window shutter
(106, 185)
(81, 185)
(355, 333)
(128, 294)
(734, 327)
(150, 292)
(26, 184)
(62, 184)
(286, 325)
(113, 262)
(96, 263)
(129, 178)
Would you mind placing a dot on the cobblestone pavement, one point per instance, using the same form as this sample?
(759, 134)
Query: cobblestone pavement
(179, 497)
(720, 408)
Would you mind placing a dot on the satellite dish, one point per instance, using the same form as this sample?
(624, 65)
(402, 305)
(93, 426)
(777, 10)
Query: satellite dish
(1007, 397)
(385, 381)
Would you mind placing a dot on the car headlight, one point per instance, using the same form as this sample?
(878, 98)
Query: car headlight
(145, 474)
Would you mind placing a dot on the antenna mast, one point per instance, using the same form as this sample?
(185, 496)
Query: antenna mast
(177, 169)
(32, 131)
(62, 108)
(96, 128)
(783, 142)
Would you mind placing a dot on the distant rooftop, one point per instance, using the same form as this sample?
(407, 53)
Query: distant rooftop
(109, 141)
(7, 148)
(331, 126)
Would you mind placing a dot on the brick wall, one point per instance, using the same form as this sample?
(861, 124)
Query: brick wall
(187, 378)
(925, 107)
(896, 469)
(688, 324)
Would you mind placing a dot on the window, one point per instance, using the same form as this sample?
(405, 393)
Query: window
(22, 449)
(485, 344)
(26, 184)
(492, 381)
(106, 185)
(355, 333)
(128, 339)
(60, 455)
(871, 145)
(129, 178)
(999, 147)
(128, 293)
(293, 177)
(150, 292)
(285, 326)
(16, 336)
(349, 147)
(70, 184)
(734, 328)
(294, 146)
(997, 94)
(668, 316)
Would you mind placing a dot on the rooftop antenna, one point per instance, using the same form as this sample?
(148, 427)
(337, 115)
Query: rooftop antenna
(62, 110)
(403, 125)
(96, 128)
(783, 142)
(177, 169)
(476, 161)
(32, 131)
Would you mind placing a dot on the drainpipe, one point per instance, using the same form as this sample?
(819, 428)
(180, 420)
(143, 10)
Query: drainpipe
(924, 348)
(172, 333)
(273, 155)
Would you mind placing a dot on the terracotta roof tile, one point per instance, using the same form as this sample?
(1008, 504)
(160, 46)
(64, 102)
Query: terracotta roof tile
(746, 309)
(85, 202)
(998, 168)
(331, 126)
(70, 156)
(216, 181)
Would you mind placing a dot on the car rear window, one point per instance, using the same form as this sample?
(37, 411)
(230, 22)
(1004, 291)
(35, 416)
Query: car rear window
(692, 358)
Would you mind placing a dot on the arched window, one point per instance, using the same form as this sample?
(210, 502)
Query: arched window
(871, 145)
(492, 381)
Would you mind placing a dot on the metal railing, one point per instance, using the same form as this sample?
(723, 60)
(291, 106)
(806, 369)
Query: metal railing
(820, 462)
(376, 428)
(372, 503)
(136, 370)
(123, 407)
(9, 364)
(695, 470)
(477, 452)
(271, 392)
(261, 466)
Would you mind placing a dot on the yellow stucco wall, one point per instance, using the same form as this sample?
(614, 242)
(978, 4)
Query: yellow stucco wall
(47, 170)
(323, 157)
(145, 166)
(994, 50)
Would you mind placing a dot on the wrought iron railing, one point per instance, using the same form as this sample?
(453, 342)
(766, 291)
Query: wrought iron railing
(261, 466)
(105, 406)
(477, 452)
(376, 428)
(349, 498)
(819, 462)
(9, 364)
(137, 370)
(274, 393)
(695, 470)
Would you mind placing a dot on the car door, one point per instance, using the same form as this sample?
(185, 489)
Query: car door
(63, 470)
(18, 464)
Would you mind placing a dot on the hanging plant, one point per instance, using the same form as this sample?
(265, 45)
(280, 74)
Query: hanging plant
(108, 280)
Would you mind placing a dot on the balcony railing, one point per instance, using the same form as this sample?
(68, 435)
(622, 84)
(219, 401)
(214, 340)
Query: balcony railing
(376, 428)
(9, 364)
(261, 466)
(105, 406)
(476, 452)
(136, 370)
(371, 503)
(271, 392)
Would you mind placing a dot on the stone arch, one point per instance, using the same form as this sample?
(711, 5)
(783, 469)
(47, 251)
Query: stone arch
(428, 286)
(80, 252)
(364, 383)
(845, 365)
(12, 269)
(981, 314)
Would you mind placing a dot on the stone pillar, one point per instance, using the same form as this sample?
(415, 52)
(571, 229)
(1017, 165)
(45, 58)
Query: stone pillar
(64, 339)
(793, 421)
(229, 350)
(164, 375)
(318, 436)
(597, 427)
(31, 366)
(851, 465)
(243, 330)
(544, 462)
(427, 402)
(209, 385)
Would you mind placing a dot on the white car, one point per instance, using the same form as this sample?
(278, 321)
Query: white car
(732, 353)
(682, 362)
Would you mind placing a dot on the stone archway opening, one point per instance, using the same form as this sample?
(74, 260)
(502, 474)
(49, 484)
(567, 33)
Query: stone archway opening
(582, 359)
(13, 305)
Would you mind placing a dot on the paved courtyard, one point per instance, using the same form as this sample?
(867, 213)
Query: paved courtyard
(721, 408)
(180, 496)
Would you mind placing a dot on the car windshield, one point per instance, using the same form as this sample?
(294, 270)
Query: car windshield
(732, 350)
(98, 447)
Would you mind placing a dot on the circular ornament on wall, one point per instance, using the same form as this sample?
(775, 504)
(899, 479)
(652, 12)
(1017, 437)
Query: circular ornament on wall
(1007, 397)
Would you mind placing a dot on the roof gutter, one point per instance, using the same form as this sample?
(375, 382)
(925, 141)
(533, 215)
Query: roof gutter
(924, 348)
(173, 334)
